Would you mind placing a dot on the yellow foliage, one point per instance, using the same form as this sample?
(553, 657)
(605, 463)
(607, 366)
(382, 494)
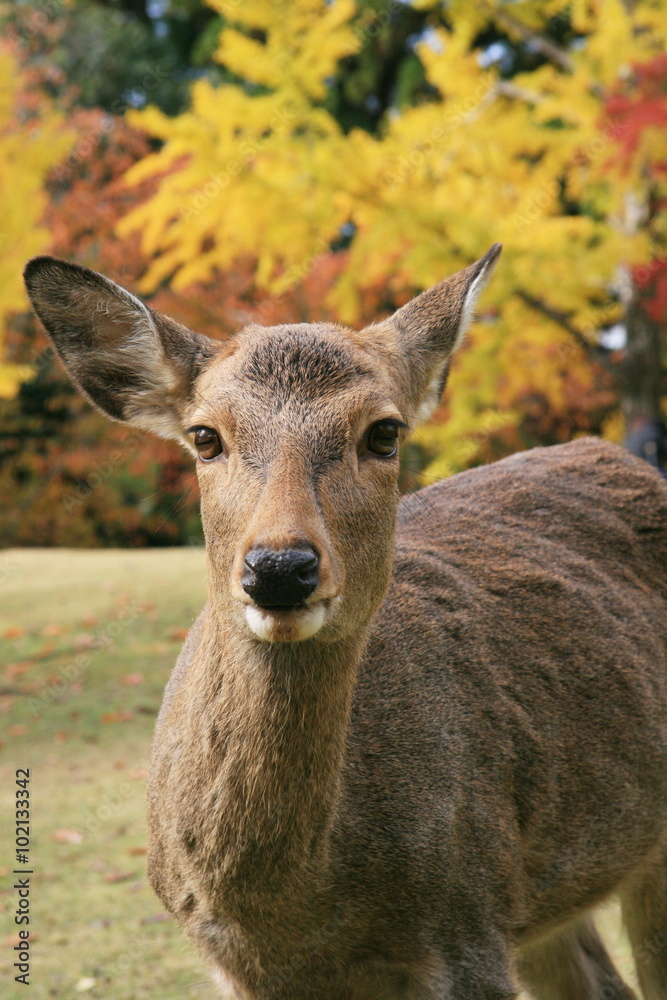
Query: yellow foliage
(27, 150)
(267, 174)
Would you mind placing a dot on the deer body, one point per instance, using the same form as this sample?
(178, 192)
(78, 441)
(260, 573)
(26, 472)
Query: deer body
(462, 743)
(393, 770)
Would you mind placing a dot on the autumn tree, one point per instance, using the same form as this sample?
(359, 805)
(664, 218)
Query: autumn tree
(32, 139)
(74, 478)
(333, 160)
(494, 147)
(637, 107)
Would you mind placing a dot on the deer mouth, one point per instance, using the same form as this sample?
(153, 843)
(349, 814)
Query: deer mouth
(281, 608)
(287, 623)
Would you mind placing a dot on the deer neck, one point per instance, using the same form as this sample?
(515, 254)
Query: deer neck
(280, 714)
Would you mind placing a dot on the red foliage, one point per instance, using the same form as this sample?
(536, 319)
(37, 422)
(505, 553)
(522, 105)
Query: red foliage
(640, 102)
(651, 281)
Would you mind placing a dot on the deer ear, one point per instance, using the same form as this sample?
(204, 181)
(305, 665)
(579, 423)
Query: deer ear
(430, 327)
(132, 363)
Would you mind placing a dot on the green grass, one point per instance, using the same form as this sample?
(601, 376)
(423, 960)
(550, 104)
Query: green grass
(87, 640)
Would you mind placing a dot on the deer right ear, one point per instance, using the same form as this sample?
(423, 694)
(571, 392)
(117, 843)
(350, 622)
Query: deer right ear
(134, 364)
(426, 332)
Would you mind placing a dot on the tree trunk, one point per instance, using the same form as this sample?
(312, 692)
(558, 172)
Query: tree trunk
(641, 375)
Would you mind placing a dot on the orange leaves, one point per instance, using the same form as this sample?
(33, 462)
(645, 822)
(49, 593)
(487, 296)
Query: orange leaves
(122, 715)
(178, 634)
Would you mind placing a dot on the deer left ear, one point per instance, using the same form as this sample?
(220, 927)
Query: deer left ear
(430, 328)
(133, 364)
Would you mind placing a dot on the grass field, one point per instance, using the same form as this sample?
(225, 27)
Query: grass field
(87, 640)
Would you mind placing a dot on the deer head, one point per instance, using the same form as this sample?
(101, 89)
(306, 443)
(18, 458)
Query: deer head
(296, 430)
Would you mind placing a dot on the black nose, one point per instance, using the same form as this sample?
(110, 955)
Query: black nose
(280, 579)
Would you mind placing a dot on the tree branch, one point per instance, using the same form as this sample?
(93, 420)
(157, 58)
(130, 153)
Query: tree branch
(508, 89)
(538, 41)
(558, 317)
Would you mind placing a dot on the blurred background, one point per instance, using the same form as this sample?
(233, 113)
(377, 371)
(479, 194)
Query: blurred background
(291, 161)
(279, 161)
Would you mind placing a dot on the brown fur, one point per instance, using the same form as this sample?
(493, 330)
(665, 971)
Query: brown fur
(424, 799)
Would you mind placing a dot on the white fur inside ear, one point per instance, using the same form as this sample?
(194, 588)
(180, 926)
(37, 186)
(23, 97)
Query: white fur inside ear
(432, 395)
(470, 301)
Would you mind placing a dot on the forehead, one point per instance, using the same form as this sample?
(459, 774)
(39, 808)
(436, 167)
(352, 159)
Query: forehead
(304, 363)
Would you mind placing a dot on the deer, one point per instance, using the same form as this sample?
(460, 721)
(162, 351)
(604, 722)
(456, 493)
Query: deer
(410, 744)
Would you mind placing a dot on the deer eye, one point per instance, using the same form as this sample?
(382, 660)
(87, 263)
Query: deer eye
(207, 443)
(383, 438)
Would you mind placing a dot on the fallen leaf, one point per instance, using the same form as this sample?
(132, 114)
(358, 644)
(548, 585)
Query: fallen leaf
(53, 629)
(178, 634)
(44, 652)
(131, 680)
(85, 983)
(18, 729)
(90, 621)
(119, 764)
(14, 670)
(13, 632)
(114, 877)
(67, 837)
(136, 850)
(122, 715)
